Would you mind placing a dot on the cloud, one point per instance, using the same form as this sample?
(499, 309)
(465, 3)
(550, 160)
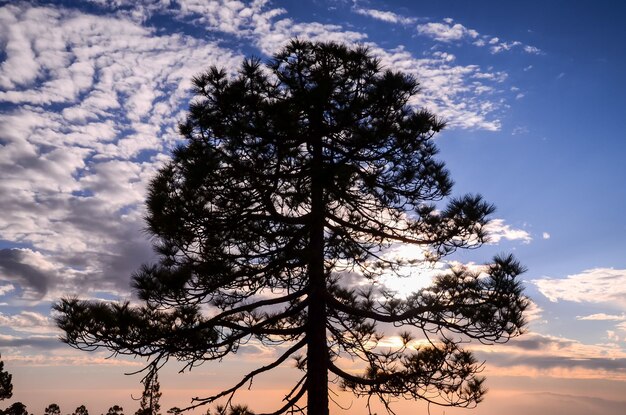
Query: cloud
(535, 354)
(6, 288)
(50, 352)
(533, 312)
(498, 230)
(385, 16)
(90, 115)
(531, 49)
(24, 267)
(598, 285)
(74, 175)
(612, 336)
(446, 89)
(446, 32)
(35, 342)
(545, 235)
(498, 47)
(28, 321)
(603, 317)
(551, 403)
(449, 32)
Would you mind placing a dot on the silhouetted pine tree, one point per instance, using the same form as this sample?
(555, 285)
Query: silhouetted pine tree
(295, 179)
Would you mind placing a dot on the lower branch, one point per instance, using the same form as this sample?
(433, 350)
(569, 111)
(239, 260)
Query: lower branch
(231, 391)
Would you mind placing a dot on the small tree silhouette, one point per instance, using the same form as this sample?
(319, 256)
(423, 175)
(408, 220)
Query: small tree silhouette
(115, 410)
(81, 410)
(296, 179)
(149, 403)
(6, 385)
(232, 410)
(16, 408)
(52, 409)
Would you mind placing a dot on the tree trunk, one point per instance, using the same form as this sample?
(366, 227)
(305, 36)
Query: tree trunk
(317, 347)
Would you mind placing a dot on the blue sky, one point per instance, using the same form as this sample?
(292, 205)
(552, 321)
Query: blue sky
(533, 93)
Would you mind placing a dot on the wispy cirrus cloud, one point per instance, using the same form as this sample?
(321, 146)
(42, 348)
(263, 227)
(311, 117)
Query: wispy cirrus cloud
(603, 317)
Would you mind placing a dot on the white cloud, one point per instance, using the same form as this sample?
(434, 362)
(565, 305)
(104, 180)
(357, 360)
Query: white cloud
(531, 49)
(74, 175)
(28, 321)
(603, 317)
(498, 230)
(37, 350)
(20, 66)
(385, 16)
(446, 32)
(612, 336)
(598, 285)
(73, 185)
(446, 88)
(6, 288)
(503, 46)
(533, 313)
(545, 235)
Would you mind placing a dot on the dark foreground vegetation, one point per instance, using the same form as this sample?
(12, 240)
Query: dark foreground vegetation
(149, 402)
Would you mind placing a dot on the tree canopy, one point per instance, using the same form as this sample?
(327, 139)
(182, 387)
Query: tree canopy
(149, 402)
(273, 223)
(16, 408)
(81, 410)
(52, 409)
(115, 410)
(6, 384)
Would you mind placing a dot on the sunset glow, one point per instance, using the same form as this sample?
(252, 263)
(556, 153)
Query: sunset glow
(532, 92)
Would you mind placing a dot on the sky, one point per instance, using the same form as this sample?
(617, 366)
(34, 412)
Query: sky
(532, 92)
